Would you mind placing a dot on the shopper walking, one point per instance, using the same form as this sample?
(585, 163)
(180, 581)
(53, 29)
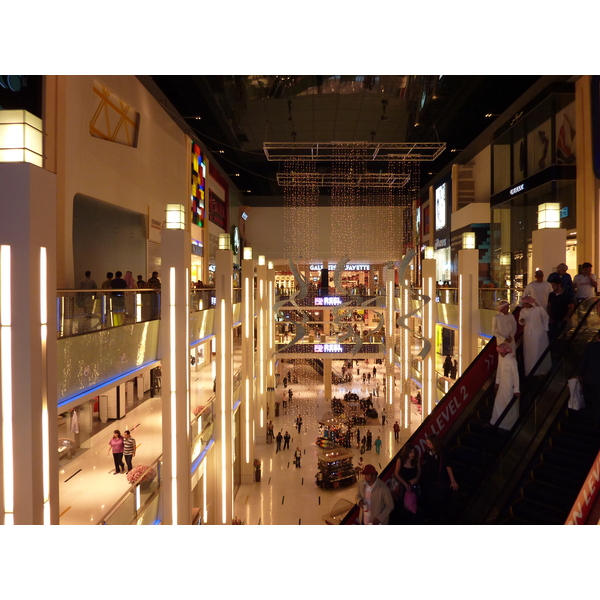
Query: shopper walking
(535, 335)
(374, 499)
(297, 457)
(278, 439)
(115, 445)
(560, 307)
(539, 290)
(504, 325)
(378, 445)
(397, 431)
(585, 283)
(369, 439)
(286, 441)
(88, 298)
(128, 449)
(298, 423)
(507, 386)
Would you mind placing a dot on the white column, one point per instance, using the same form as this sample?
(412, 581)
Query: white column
(429, 391)
(28, 410)
(262, 349)
(224, 399)
(548, 249)
(247, 407)
(175, 345)
(390, 327)
(468, 307)
(270, 335)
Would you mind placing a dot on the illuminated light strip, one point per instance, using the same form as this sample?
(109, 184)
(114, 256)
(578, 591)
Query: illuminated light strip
(138, 307)
(406, 405)
(44, 368)
(247, 412)
(247, 306)
(6, 369)
(223, 418)
(173, 360)
(460, 323)
(432, 349)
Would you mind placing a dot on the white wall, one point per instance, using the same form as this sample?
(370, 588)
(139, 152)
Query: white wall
(142, 179)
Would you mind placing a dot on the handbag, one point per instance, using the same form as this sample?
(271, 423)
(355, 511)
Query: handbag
(416, 489)
(410, 501)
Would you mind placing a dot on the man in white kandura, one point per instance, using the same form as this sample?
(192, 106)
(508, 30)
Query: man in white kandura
(507, 386)
(504, 325)
(535, 335)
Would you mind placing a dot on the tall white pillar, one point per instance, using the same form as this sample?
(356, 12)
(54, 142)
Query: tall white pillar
(390, 328)
(262, 349)
(28, 410)
(247, 407)
(224, 399)
(175, 343)
(468, 307)
(548, 249)
(429, 391)
(270, 333)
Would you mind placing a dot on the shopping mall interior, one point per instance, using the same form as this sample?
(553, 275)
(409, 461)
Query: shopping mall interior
(202, 261)
(266, 282)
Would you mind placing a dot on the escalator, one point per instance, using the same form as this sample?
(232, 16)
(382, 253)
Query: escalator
(543, 461)
(479, 456)
(469, 395)
(549, 486)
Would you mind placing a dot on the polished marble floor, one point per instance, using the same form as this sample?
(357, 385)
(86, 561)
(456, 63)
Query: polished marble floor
(286, 495)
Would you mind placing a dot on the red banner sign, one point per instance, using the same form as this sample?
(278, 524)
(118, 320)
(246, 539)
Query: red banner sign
(587, 496)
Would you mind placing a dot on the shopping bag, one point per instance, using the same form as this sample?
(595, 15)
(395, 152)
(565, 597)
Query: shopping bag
(576, 398)
(410, 501)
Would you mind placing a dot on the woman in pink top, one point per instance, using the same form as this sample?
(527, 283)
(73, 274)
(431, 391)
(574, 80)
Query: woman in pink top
(116, 445)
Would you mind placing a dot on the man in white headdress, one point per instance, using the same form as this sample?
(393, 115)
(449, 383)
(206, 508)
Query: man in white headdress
(504, 326)
(535, 335)
(507, 386)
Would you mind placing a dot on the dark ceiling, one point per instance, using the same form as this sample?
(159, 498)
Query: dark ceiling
(232, 115)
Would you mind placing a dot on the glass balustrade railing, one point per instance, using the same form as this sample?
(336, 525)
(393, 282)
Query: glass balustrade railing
(140, 504)
(86, 311)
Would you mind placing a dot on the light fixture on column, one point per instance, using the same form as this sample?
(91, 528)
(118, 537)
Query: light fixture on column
(247, 253)
(224, 241)
(468, 240)
(270, 265)
(175, 218)
(549, 215)
(21, 137)
(429, 252)
(261, 260)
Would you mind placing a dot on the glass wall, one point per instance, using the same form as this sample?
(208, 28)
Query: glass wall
(512, 225)
(543, 137)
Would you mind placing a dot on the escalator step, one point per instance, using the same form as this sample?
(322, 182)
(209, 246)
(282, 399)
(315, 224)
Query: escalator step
(557, 476)
(581, 426)
(574, 443)
(467, 456)
(549, 495)
(566, 459)
(475, 441)
(537, 514)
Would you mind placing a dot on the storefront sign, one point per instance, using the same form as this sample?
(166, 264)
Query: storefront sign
(328, 301)
(328, 348)
(517, 189)
(217, 211)
(332, 267)
(440, 207)
(440, 243)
